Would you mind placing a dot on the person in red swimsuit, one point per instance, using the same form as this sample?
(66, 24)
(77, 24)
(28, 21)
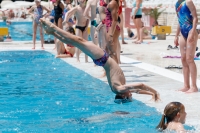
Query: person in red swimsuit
(69, 50)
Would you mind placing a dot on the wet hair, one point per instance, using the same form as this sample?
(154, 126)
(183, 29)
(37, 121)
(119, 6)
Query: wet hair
(71, 30)
(120, 99)
(170, 113)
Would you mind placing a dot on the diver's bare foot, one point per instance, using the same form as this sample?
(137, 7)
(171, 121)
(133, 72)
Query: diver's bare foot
(33, 48)
(54, 48)
(123, 42)
(42, 48)
(78, 61)
(184, 89)
(192, 90)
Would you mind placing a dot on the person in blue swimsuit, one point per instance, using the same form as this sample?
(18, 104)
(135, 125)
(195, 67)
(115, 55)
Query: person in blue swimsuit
(37, 10)
(136, 16)
(187, 18)
(114, 73)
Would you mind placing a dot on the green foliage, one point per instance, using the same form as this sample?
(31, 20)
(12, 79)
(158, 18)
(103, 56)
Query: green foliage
(155, 13)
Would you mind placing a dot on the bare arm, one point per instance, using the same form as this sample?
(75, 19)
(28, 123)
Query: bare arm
(70, 13)
(113, 7)
(178, 30)
(31, 10)
(86, 12)
(141, 88)
(62, 6)
(177, 35)
(193, 11)
(69, 6)
(48, 11)
(138, 2)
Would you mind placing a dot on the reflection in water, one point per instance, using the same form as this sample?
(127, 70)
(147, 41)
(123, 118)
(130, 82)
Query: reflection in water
(107, 117)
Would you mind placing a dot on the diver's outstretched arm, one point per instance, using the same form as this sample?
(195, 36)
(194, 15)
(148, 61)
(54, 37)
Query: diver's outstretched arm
(141, 88)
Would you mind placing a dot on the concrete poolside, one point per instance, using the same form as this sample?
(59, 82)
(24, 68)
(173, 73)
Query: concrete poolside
(142, 63)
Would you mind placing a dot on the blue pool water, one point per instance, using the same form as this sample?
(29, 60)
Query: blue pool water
(40, 93)
(23, 31)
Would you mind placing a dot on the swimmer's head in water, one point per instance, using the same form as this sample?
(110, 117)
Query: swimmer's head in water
(174, 111)
(123, 98)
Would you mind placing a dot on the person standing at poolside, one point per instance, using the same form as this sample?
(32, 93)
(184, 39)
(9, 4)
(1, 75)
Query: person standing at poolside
(58, 13)
(113, 30)
(58, 9)
(92, 7)
(81, 24)
(187, 17)
(122, 20)
(136, 16)
(37, 14)
(114, 73)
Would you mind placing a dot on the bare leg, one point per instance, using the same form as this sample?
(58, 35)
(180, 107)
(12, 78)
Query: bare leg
(101, 38)
(34, 33)
(186, 70)
(85, 36)
(138, 27)
(190, 52)
(60, 47)
(92, 31)
(118, 51)
(122, 28)
(87, 47)
(59, 24)
(112, 46)
(41, 37)
(141, 36)
(78, 52)
(137, 30)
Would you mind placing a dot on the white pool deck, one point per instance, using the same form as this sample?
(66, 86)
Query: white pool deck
(165, 81)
